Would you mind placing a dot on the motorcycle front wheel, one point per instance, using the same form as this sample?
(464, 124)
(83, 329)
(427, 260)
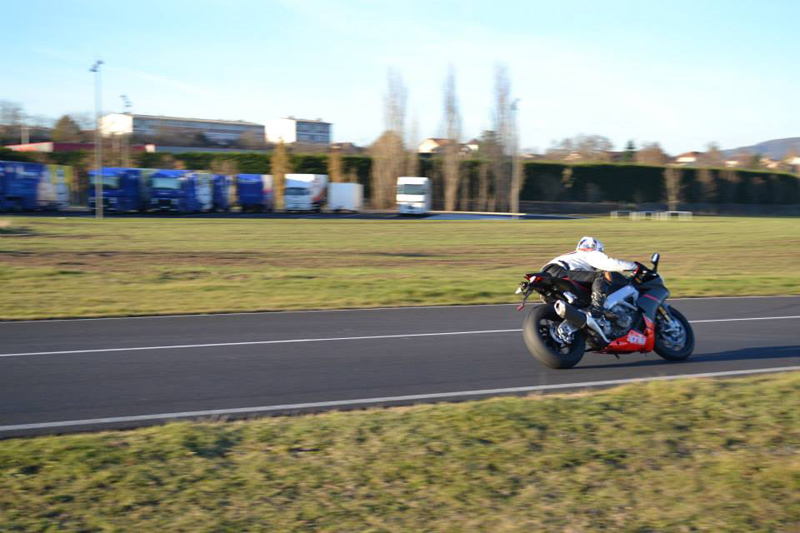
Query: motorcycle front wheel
(674, 335)
(540, 332)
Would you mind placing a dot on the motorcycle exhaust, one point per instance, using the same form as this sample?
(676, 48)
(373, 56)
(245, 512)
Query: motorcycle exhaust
(570, 314)
(578, 318)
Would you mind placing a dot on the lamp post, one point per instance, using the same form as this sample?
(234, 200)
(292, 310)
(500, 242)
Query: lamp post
(98, 145)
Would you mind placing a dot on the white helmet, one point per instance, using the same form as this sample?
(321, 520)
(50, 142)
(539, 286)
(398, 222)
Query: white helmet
(589, 244)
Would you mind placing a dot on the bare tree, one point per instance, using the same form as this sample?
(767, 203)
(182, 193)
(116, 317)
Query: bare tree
(583, 148)
(714, 157)
(741, 159)
(335, 166)
(12, 121)
(516, 163)
(279, 166)
(672, 180)
(567, 180)
(483, 186)
(452, 150)
(490, 151)
(251, 141)
(501, 163)
(224, 165)
(730, 180)
(651, 154)
(388, 152)
(708, 185)
(412, 166)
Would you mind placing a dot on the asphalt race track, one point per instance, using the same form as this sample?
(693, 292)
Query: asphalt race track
(71, 375)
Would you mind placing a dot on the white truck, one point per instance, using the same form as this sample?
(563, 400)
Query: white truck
(304, 192)
(413, 195)
(345, 197)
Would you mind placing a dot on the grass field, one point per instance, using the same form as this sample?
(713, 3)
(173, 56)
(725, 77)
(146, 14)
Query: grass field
(717, 456)
(52, 267)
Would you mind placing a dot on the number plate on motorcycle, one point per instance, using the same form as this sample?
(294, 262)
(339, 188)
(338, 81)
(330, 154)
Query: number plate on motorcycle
(634, 337)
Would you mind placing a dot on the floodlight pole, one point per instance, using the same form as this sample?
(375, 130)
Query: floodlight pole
(98, 144)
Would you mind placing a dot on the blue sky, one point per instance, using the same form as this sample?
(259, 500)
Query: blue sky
(683, 73)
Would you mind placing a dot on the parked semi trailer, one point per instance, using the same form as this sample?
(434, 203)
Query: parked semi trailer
(254, 192)
(305, 192)
(221, 187)
(34, 186)
(124, 189)
(180, 191)
(345, 197)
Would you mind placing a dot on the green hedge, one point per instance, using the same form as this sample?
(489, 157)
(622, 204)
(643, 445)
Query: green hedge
(543, 180)
(547, 181)
(11, 155)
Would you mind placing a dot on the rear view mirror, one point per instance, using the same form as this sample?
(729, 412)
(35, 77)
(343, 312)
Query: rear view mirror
(655, 258)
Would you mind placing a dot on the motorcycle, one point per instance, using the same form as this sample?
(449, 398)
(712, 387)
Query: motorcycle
(635, 318)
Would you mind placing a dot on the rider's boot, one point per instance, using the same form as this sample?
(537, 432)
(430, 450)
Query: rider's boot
(596, 313)
(596, 308)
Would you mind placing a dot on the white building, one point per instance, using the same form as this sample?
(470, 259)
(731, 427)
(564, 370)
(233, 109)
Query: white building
(296, 130)
(221, 131)
(689, 158)
(432, 145)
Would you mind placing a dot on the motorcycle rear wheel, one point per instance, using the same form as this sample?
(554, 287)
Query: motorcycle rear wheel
(677, 345)
(537, 331)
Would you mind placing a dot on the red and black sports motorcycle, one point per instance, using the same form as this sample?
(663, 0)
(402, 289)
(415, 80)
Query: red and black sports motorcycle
(635, 318)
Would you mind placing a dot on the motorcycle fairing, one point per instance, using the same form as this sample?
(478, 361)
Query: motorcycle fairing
(653, 294)
(634, 340)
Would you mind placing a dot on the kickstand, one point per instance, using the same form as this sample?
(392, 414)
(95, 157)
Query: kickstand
(615, 355)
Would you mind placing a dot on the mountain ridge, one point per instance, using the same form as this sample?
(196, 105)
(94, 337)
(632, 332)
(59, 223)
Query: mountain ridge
(774, 148)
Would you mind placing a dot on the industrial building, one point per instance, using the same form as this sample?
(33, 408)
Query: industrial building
(219, 131)
(297, 130)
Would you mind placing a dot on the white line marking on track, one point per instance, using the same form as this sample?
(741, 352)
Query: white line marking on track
(352, 310)
(335, 339)
(743, 319)
(383, 400)
(278, 341)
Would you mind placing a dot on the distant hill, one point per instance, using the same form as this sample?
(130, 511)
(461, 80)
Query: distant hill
(774, 149)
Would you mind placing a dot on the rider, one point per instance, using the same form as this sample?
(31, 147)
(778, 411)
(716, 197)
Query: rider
(589, 264)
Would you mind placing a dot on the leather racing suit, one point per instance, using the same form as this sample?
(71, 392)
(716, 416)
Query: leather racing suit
(589, 267)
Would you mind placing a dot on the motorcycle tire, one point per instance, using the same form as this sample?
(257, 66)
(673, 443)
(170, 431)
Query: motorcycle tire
(664, 350)
(542, 346)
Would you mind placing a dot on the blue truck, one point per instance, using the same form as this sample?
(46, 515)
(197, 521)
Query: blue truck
(221, 192)
(124, 189)
(181, 191)
(34, 186)
(254, 192)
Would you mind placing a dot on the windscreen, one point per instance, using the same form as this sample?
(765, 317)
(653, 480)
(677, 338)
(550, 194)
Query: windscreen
(109, 182)
(411, 188)
(166, 183)
(297, 191)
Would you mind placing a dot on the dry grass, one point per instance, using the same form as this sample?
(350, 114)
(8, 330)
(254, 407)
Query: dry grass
(716, 456)
(77, 267)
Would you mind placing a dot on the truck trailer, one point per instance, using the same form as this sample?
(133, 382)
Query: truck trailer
(33, 186)
(254, 192)
(221, 192)
(345, 197)
(305, 192)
